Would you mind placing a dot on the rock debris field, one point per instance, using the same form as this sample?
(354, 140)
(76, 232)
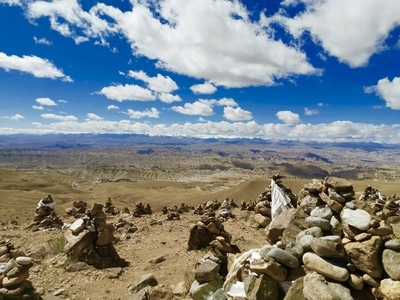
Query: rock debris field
(323, 242)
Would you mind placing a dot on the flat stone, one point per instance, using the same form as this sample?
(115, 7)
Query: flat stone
(315, 263)
(313, 231)
(7, 281)
(77, 226)
(206, 271)
(357, 218)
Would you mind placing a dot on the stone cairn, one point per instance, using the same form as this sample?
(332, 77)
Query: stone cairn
(141, 210)
(45, 215)
(78, 209)
(90, 240)
(210, 233)
(332, 246)
(109, 208)
(14, 273)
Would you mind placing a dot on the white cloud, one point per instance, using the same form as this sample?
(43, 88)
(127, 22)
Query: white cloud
(169, 98)
(37, 107)
(42, 41)
(15, 117)
(127, 92)
(62, 101)
(237, 114)
(38, 67)
(151, 113)
(11, 2)
(288, 117)
(59, 117)
(204, 88)
(227, 102)
(164, 32)
(388, 90)
(352, 31)
(93, 117)
(197, 108)
(160, 83)
(69, 19)
(45, 101)
(113, 107)
(310, 112)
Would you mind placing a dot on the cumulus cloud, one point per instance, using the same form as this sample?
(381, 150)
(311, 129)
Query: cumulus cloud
(45, 101)
(163, 32)
(352, 31)
(288, 117)
(197, 108)
(151, 113)
(169, 98)
(237, 114)
(31, 64)
(127, 92)
(69, 19)
(160, 83)
(388, 90)
(203, 88)
(37, 107)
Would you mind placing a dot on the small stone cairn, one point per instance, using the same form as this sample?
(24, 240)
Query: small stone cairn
(45, 215)
(14, 273)
(78, 209)
(141, 210)
(90, 240)
(109, 208)
(332, 246)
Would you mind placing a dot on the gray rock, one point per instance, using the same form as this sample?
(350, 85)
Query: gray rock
(261, 287)
(284, 257)
(319, 222)
(206, 271)
(323, 212)
(313, 231)
(391, 263)
(204, 290)
(308, 203)
(316, 287)
(327, 248)
(357, 218)
(275, 229)
(305, 242)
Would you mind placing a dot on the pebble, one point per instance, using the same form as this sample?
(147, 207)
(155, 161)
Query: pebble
(23, 260)
(393, 244)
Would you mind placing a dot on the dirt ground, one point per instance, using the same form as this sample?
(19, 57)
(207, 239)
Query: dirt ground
(20, 192)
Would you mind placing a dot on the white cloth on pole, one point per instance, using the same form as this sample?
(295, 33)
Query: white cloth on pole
(280, 201)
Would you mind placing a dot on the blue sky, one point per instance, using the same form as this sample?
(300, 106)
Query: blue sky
(321, 70)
